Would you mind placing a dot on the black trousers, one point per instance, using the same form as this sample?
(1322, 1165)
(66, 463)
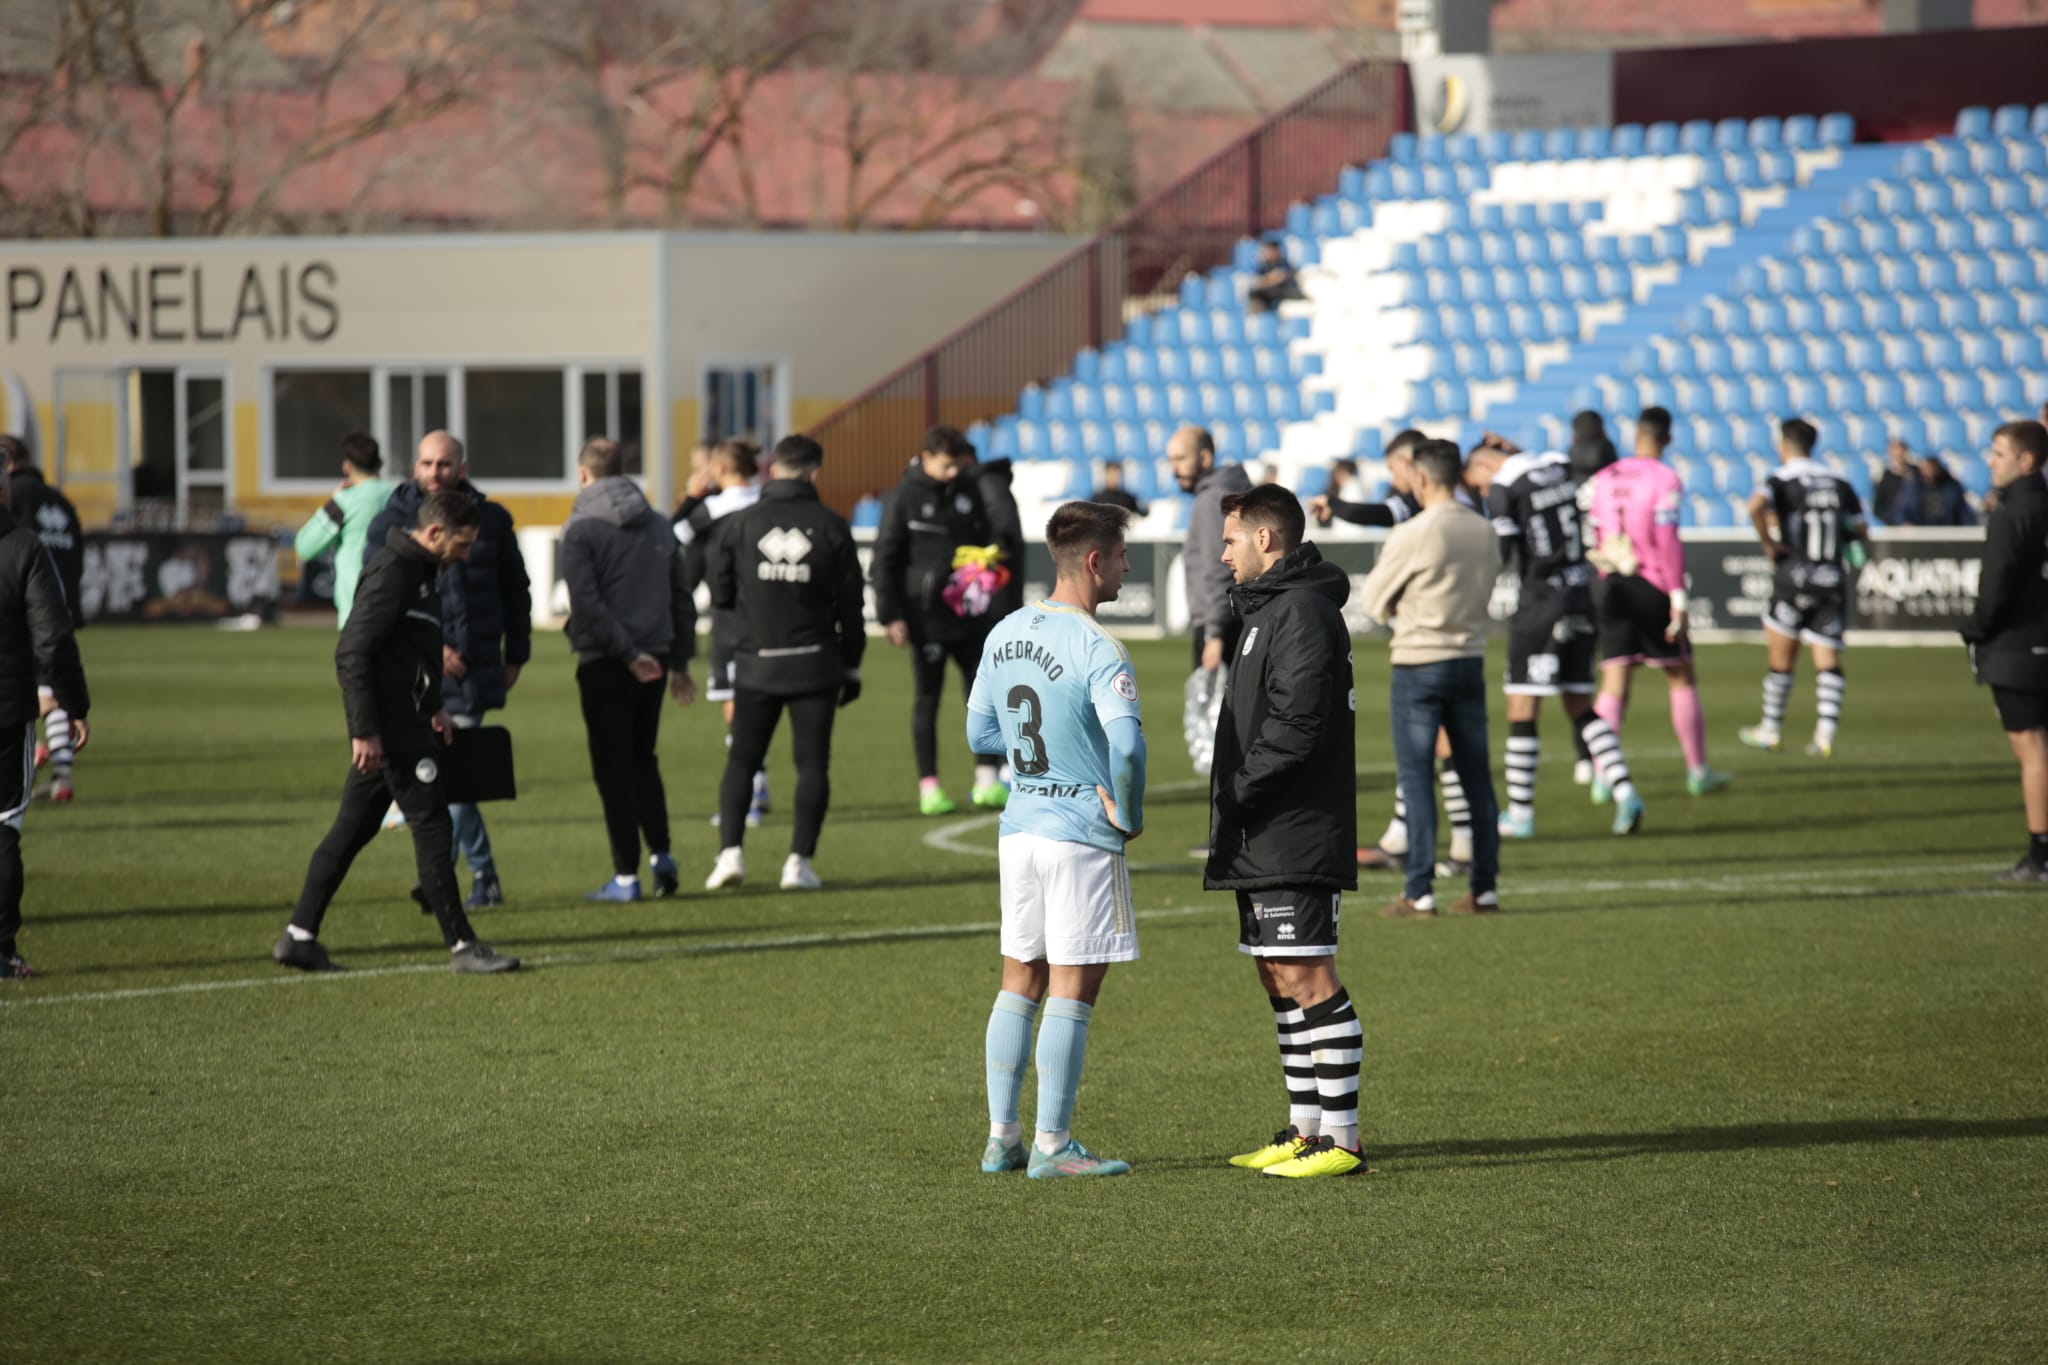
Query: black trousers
(622, 720)
(17, 774)
(928, 660)
(363, 799)
(754, 718)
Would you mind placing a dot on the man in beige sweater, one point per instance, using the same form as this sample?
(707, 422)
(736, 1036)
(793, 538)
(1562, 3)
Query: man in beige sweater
(1431, 584)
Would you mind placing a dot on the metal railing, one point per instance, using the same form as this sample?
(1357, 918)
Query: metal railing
(1192, 225)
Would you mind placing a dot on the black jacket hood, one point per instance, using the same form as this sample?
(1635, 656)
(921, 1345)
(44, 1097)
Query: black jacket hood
(1302, 569)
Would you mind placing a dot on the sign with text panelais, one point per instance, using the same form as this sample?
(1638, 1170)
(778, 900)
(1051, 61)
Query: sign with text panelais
(171, 302)
(1472, 94)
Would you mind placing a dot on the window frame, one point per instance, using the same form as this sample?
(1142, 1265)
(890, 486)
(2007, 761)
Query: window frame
(397, 464)
(744, 360)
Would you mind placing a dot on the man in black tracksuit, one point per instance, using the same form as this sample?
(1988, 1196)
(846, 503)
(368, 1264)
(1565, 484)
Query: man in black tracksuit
(787, 567)
(2008, 632)
(389, 662)
(992, 479)
(43, 509)
(35, 644)
(1283, 800)
(632, 623)
(486, 617)
(930, 515)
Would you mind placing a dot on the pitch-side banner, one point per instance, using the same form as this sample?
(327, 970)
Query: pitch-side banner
(1475, 94)
(176, 576)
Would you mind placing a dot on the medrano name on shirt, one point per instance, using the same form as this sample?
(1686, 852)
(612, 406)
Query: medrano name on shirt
(1028, 789)
(1024, 651)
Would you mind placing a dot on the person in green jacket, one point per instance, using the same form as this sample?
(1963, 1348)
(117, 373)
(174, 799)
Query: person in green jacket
(346, 518)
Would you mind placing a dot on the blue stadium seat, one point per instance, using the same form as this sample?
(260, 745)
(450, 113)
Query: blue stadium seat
(1696, 135)
(1731, 134)
(1973, 122)
(1497, 145)
(1837, 130)
(2010, 121)
(867, 514)
(1527, 145)
(1660, 139)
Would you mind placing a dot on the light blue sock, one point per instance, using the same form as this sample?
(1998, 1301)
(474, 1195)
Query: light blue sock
(1062, 1048)
(1008, 1049)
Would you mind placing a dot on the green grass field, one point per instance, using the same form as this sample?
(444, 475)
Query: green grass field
(1765, 1082)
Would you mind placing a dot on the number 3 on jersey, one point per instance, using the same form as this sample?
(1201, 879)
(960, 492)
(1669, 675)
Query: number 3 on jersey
(1031, 760)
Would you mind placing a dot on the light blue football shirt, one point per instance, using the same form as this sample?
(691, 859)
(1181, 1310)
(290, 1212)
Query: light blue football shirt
(1053, 678)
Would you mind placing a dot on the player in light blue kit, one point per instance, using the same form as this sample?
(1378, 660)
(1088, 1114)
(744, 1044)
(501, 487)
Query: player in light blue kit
(1056, 692)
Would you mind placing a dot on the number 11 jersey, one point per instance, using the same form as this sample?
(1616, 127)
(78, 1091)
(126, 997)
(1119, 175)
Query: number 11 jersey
(1054, 678)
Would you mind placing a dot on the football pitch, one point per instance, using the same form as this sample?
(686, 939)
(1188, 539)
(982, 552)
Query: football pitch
(1765, 1081)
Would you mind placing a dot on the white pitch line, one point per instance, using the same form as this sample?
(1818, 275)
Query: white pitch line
(724, 947)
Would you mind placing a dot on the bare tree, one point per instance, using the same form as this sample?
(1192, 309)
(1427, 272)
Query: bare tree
(202, 116)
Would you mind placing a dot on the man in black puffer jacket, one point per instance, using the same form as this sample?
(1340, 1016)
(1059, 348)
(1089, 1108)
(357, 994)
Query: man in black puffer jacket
(2008, 633)
(388, 659)
(35, 645)
(632, 623)
(1283, 804)
(487, 618)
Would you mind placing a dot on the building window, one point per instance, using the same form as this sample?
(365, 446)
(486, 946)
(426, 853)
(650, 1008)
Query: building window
(744, 398)
(611, 407)
(416, 402)
(514, 424)
(311, 410)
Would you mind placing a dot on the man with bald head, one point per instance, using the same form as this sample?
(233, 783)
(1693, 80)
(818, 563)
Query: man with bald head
(486, 621)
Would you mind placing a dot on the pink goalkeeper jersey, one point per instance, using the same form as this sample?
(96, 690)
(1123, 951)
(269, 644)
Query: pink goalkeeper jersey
(1639, 499)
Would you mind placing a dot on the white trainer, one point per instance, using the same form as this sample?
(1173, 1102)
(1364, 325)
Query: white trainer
(797, 874)
(729, 870)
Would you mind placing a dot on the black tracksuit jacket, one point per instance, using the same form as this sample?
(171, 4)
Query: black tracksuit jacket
(389, 653)
(44, 510)
(1283, 793)
(924, 522)
(35, 629)
(789, 570)
(2008, 633)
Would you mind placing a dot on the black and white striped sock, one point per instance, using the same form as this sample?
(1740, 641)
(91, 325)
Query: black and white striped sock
(1777, 692)
(1332, 1030)
(1304, 1101)
(1455, 804)
(1605, 748)
(1829, 688)
(57, 733)
(1524, 750)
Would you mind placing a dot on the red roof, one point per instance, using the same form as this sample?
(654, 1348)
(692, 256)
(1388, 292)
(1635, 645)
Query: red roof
(1218, 13)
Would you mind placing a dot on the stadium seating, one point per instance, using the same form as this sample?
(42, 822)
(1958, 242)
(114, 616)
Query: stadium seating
(1737, 273)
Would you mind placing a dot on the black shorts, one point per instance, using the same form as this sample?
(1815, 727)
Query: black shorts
(1633, 616)
(1550, 643)
(1817, 616)
(725, 648)
(1288, 922)
(2021, 709)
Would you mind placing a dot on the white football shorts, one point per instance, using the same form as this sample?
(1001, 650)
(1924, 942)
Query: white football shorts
(1067, 903)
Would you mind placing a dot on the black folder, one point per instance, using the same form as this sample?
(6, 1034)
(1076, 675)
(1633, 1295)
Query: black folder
(477, 767)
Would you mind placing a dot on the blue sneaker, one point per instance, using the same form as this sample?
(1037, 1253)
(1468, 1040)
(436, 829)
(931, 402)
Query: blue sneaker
(1601, 792)
(1000, 1156)
(1628, 814)
(1513, 826)
(612, 891)
(1072, 1159)
(666, 880)
(484, 891)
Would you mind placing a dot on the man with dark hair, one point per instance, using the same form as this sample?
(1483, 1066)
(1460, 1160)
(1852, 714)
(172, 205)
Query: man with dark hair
(632, 623)
(1283, 811)
(2008, 632)
(1113, 493)
(789, 572)
(1274, 283)
(1810, 523)
(935, 595)
(1391, 851)
(37, 647)
(1591, 450)
(1057, 692)
(726, 484)
(44, 509)
(1533, 502)
(993, 478)
(1640, 598)
(389, 662)
(1431, 584)
(487, 617)
(343, 523)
